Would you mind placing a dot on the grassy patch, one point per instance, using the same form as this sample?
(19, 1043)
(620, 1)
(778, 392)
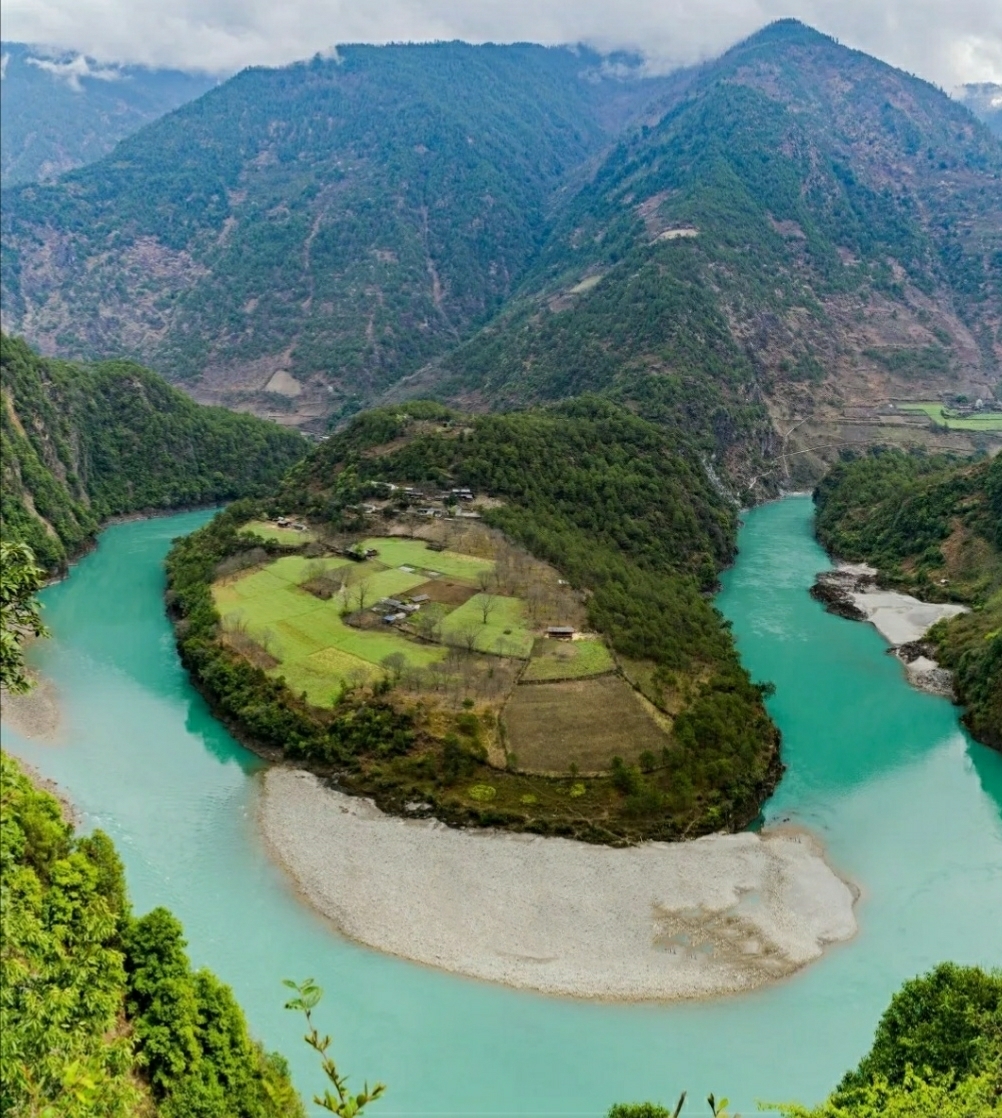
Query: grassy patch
(506, 631)
(396, 551)
(985, 421)
(287, 536)
(553, 659)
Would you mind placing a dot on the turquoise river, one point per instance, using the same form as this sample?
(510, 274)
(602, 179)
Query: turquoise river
(909, 807)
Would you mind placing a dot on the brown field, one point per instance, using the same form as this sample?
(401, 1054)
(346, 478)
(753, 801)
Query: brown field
(446, 591)
(586, 722)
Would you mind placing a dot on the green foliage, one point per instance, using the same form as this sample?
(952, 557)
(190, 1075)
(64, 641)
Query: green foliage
(933, 526)
(937, 1053)
(102, 1016)
(81, 444)
(341, 1102)
(20, 617)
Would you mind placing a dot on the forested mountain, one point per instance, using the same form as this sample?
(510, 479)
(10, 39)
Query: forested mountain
(302, 237)
(59, 111)
(80, 444)
(756, 251)
(932, 526)
(102, 1012)
(806, 228)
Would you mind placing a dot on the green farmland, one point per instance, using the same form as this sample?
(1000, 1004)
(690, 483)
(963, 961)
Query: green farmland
(271, 532)
(305, 638)
(555, 659)
(983, 421)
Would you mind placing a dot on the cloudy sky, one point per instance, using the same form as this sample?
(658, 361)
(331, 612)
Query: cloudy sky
(945, 41)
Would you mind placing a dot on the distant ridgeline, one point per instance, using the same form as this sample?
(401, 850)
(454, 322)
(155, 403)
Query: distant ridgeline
(933, 527)
(102, 1012)
(464, 704)
(789, 229)
(82, 443)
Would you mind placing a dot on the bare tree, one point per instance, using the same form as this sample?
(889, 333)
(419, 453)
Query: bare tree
(488, 604)
(362, 593)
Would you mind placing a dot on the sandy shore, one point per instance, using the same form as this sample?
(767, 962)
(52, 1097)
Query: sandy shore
(658, 921)
(902, 620)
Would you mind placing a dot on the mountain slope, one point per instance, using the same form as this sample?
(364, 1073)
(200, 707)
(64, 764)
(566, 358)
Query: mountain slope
(299, 238)
(805, 231)
(59, 112)
(82, 444)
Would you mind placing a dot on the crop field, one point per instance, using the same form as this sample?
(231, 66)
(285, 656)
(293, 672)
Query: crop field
(288, 536)
(585, 722)
(506, 632)
(985, 421)
(556, 659)
(399, 552)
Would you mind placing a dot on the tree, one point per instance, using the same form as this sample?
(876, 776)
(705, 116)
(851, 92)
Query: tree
(341, 1103)
(488, 603)
(362, 593)
(20, 615)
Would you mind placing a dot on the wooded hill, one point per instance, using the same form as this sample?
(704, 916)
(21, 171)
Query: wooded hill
(792, 229)
(82, 443)
(630, 520)
(933, 527)
(340, 220)
(102, 1012)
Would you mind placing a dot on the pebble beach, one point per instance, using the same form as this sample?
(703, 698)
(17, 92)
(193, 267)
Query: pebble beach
(658, 921)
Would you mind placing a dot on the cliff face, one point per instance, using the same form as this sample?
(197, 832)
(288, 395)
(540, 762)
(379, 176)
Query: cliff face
(83, 444)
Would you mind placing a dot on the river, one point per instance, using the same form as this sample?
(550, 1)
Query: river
(909, 807)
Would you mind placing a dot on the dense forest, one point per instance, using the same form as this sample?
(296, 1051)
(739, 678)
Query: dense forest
(102, 1011)
(933, 527)
(82, 443)
(630, 519)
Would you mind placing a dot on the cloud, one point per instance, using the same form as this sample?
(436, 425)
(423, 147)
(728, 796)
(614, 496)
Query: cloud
(945, 41)
(72, 70)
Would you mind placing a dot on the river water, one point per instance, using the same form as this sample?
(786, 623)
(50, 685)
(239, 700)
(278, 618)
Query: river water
(908, 806)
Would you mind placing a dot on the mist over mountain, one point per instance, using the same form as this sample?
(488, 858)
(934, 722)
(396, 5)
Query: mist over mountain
(768, 243)
(984, 99)
(61, 110)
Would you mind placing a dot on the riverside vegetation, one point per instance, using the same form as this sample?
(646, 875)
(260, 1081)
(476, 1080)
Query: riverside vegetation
(84, 443)
(630, 521)
(932, 526)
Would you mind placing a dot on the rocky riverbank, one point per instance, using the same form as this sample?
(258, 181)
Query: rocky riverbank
(851, 590)
(658, 921)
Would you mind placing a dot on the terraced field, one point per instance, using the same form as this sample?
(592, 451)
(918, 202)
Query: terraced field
(981, 421)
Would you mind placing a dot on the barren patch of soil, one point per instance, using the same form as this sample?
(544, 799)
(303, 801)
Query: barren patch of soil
(586, 722)
(446, 591)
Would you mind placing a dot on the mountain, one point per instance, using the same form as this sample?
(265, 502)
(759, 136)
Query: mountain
(299, 238)
(984, 99)
(805, 234)
(762, 252)
(933, 527)
(80, 444)
(59, 111)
